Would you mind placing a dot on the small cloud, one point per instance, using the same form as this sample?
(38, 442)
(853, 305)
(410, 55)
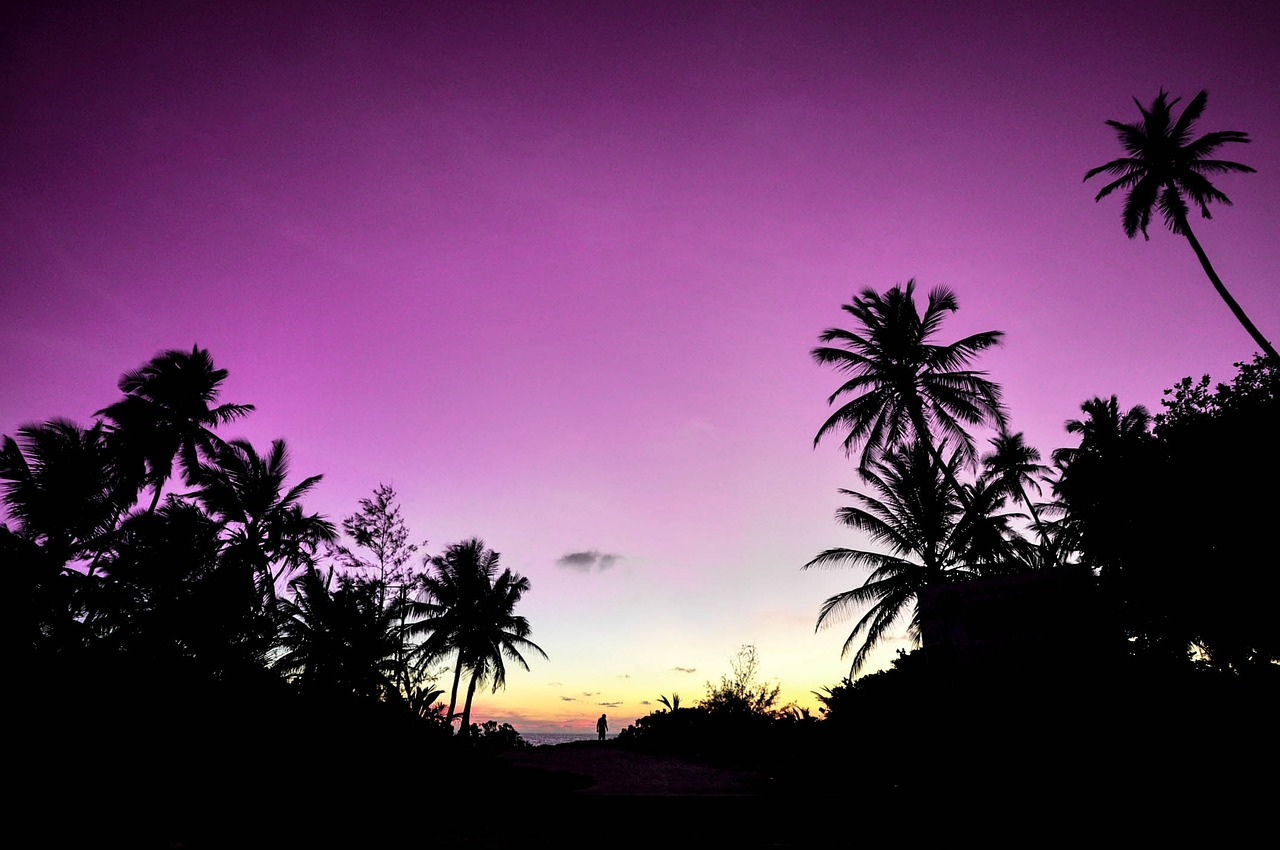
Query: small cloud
(568, 699)
(645, 702)
(624, 675)
(588, 560)
(609, 704)
(686, 669)
(590, 693)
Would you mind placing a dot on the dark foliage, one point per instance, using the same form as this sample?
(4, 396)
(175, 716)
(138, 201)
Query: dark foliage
(1174, 521)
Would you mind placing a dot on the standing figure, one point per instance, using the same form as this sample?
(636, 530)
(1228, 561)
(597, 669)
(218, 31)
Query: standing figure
(602, 726)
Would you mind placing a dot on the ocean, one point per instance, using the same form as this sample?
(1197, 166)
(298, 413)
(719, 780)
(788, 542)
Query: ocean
(550, 739)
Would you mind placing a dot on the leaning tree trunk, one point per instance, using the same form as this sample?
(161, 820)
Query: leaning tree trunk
(465, 729)
(922, 433)
(1236, 309)
(453, 694)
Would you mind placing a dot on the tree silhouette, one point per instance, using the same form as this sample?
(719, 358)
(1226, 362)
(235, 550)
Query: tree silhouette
(339, 642)
(470, 611)
(167, 413)
(62, 491)
(931, 538)
(379, 529)
(906, 388)
(1164, 170)
(268, 536)
(1014, 467)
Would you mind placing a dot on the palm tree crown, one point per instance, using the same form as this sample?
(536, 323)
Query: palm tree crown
(268, 532)
(167, 412)
(905, 387)
(1165, 167)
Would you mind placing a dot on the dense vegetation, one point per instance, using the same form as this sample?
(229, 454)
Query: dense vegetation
(1129, 611)
(180, 619)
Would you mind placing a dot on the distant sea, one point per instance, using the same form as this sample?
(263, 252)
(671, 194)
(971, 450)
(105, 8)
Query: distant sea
(550, 739)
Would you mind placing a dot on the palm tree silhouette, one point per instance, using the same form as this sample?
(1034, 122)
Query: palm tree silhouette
(470, 610)
(502, 636)
(452, 587)
(1164, 169)
(1104, 431)
(1014, 467)
(339, 642)
(62, 499)
(167, 413)
(62, 489)
(267, 534)
(931, 539)
(907, 389)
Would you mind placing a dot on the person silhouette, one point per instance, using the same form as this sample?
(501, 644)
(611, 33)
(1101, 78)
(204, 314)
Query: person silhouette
(602, 726)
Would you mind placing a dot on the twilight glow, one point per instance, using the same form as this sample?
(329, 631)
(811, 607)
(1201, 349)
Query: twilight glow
(553, 270)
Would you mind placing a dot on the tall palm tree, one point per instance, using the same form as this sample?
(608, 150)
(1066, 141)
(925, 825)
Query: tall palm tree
(167, 414)
(931, 539)
(1165, 169)
(502, 636)
(454, 583)
(470, 611)
(906, 388)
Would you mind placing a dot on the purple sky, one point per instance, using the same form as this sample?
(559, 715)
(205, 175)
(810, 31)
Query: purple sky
(553, 270)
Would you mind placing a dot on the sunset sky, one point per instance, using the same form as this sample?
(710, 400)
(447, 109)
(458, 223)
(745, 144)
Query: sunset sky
(553, 270)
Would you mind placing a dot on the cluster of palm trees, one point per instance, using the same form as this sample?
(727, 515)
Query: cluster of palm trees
(913, 403)
(148, 537)
(938, 512)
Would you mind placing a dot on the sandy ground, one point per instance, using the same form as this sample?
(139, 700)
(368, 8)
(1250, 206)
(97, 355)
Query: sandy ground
(588, 770)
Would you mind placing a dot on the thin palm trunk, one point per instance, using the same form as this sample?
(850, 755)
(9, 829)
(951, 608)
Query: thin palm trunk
(917, 421)
(1035, 515)
(1236, 309)
(453, 693)
(465, 729)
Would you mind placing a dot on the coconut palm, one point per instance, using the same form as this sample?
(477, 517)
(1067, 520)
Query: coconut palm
(62, 500)
(1015, 467)
(470, 611)
(339, 642)
(931, 539)
(907, 389)
(454, 583)
(1102, 485)
(268, 536)
(1164, 170)
(502, 636)
(1104, 432)
(166, 415)
(61, 489)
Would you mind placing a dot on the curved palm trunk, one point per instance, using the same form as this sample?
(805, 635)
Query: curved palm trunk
(465, 729)
(453, 693)
(1040, 531)
(1236, 309)
(1035, 515)
(922, 430)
